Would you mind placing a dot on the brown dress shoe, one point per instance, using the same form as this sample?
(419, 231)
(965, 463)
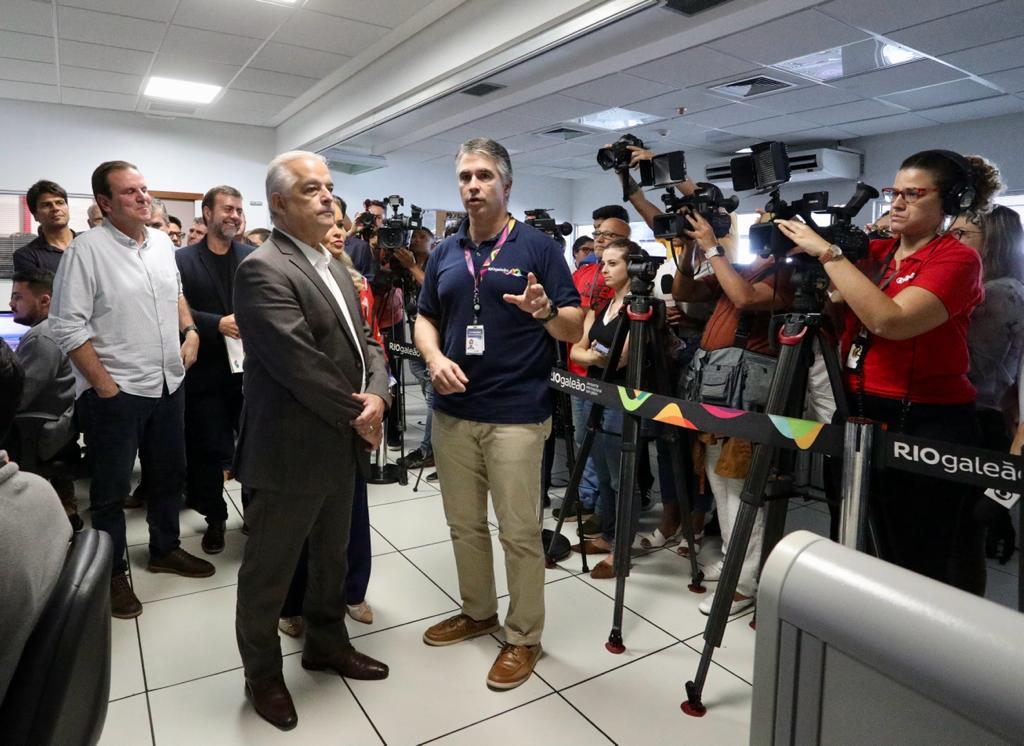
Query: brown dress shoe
(589, 547)
(349, 663)
(213, 539)
(272, 701)
(123, 602)
(180, 562)
(513, 666)
(458, 628)
(603, 571)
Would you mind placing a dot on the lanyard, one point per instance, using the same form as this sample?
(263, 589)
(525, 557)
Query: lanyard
(478, 277)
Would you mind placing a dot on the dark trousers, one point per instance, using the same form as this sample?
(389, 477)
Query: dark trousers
(924, 523)
(118, 428)
(358, 560)
(279, 524)
(211, 420)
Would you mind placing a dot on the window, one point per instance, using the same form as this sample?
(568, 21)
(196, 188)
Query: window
(1014, 201)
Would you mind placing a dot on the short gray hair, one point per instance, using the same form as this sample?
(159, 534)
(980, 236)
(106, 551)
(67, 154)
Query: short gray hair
(493, 150)
(158, 205)
(280, 178)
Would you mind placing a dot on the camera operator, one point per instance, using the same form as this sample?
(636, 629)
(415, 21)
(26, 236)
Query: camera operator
(357, 242)
(744, 296)
(905, 346)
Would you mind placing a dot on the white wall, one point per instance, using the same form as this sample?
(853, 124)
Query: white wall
(65, 144)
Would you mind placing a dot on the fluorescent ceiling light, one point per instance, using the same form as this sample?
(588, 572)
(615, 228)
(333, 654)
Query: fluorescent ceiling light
(616, 119)
(181, 90)
(851, 59)
(744, 150)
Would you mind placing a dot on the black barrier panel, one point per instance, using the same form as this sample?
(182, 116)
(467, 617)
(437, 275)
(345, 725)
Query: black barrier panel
(773, 430)
(955, 463)
(404, 350)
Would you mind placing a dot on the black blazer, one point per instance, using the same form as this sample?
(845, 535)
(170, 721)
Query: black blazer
(302, 366)
(209, 303)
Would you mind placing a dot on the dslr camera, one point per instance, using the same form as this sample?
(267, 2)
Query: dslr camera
(541, 220)
(618, 155)
(765, 170)
(394, 233)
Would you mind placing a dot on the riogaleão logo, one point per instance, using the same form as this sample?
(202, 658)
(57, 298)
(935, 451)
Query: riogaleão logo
(567, 382)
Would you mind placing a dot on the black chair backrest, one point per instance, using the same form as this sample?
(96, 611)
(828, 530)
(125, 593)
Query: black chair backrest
(59, 691)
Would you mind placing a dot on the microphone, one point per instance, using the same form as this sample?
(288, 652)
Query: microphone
(666, 284)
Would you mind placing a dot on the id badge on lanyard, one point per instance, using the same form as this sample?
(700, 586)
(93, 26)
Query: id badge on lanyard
(475, 342)
(859, 347)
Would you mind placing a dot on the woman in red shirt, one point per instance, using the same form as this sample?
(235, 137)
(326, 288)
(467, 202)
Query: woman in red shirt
(906, 357)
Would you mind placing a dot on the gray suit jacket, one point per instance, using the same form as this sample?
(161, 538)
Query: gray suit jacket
(301, 369)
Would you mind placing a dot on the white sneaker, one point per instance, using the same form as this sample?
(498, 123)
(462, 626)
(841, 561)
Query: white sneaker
(293, 626)
(735, 608)
(361, 612)
(713, 571)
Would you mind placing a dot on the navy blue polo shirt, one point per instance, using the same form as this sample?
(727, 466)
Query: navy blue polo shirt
(508, 384)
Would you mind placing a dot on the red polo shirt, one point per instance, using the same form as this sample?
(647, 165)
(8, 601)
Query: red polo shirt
(935, 363)
(594, 293)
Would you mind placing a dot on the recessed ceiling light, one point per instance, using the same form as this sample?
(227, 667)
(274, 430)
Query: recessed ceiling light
(181, 90)
(851, 59)
(616, 119)
(744, 150)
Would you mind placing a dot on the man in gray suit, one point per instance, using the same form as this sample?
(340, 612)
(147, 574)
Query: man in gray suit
(315, 388)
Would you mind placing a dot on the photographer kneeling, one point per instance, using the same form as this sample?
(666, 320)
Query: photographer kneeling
(745, 299)
(905, 346)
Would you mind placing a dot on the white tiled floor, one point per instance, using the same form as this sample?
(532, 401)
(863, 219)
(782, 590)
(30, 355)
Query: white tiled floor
(177, 678)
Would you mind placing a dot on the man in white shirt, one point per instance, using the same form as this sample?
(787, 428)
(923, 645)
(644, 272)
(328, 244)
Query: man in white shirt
(118, 311)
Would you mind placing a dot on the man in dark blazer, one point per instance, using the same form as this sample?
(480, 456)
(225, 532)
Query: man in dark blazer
(315, 387)
(213, 385)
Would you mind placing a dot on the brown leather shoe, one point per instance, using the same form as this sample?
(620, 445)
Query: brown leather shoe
(603, 571)
(458, 628)
(513, 666)
(213, 539)
(123, 602)
(349, 663)
(589, 547)
(272, 701)
(180, 562)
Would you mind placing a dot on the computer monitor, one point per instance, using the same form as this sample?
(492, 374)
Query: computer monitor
(11, 331)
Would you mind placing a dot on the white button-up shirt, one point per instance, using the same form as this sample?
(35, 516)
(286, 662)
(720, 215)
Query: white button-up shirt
(123, 297)
(320, 258)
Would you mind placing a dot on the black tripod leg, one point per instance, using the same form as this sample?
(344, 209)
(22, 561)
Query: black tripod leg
(752, 499)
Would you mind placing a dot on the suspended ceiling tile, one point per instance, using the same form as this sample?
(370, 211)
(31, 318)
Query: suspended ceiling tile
(254, 101)
(1011, 81)
(390, 13)
(286, 58)
(328, 33)
(97, 99)
(106, 28)
(617, 89)
(26, 46)
(820, 134)
(103, 57)
(852, 112)
(882, 16)
(989, 107)
(26, 71)
(989, 58)
(151, 10)
(690, 99)
(788, 37)
(80, 77)
(737, 113)
(803, 99)
(971, 28)
(238, 17)
(691, 67)
(777, 127)
(28, 91)
(263, 81)
(941, 94)
(884, 125)
(27, 16)
(208, 45)
(900, 78)
(555, 108)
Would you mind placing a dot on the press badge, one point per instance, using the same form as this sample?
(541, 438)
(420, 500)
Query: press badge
(856, 357)
(475, 339)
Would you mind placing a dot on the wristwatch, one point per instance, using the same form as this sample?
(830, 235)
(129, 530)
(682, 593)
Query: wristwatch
(832, 253)
(551, 314)
(190, 328)
(714, 251)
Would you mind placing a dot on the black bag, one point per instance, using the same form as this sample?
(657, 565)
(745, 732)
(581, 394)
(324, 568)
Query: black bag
(562, 548)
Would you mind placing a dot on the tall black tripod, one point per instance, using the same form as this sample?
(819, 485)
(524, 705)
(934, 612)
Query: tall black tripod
(646, 331)
(796, 334)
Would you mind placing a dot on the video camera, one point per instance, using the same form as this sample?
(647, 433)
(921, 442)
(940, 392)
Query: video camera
(394, 233)
(541, 220)
(765, 170)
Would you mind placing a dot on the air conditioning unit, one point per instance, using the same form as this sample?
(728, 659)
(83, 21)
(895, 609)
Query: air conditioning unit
(819, 164)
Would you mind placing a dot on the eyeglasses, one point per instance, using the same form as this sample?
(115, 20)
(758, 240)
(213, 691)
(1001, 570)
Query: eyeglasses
(910, 194)
(606, 234)
(175, 234)
(959, 233)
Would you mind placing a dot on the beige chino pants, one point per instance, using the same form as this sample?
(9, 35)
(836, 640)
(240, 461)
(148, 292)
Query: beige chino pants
(472, 458)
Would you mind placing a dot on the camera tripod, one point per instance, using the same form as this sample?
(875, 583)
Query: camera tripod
(646, 330)
(797, 331)
(381, 472)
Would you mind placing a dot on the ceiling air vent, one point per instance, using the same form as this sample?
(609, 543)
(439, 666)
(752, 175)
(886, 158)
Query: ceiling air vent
(482, 89)
(692, 7)
(751, 87)
(563, 133)
(167, 107)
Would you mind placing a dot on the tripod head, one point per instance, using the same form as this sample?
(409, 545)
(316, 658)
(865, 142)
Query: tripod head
(811, 285)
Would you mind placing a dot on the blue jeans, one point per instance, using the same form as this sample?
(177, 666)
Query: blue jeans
(606, 453)
(588, 484)
(118, 428)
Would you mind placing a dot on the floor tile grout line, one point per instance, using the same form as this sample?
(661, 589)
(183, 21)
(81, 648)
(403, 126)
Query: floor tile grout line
(552, 693)
(721, 666)
(619, 667)
(363, 710)
(583, 715)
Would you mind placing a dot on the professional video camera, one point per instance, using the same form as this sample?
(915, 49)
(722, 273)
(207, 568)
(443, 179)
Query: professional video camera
(541, 220)
(765, 170)
(394, 233)
(365, 225)
(618, 155)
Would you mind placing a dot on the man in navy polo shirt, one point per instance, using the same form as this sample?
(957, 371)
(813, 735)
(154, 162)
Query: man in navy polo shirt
(495, 297)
